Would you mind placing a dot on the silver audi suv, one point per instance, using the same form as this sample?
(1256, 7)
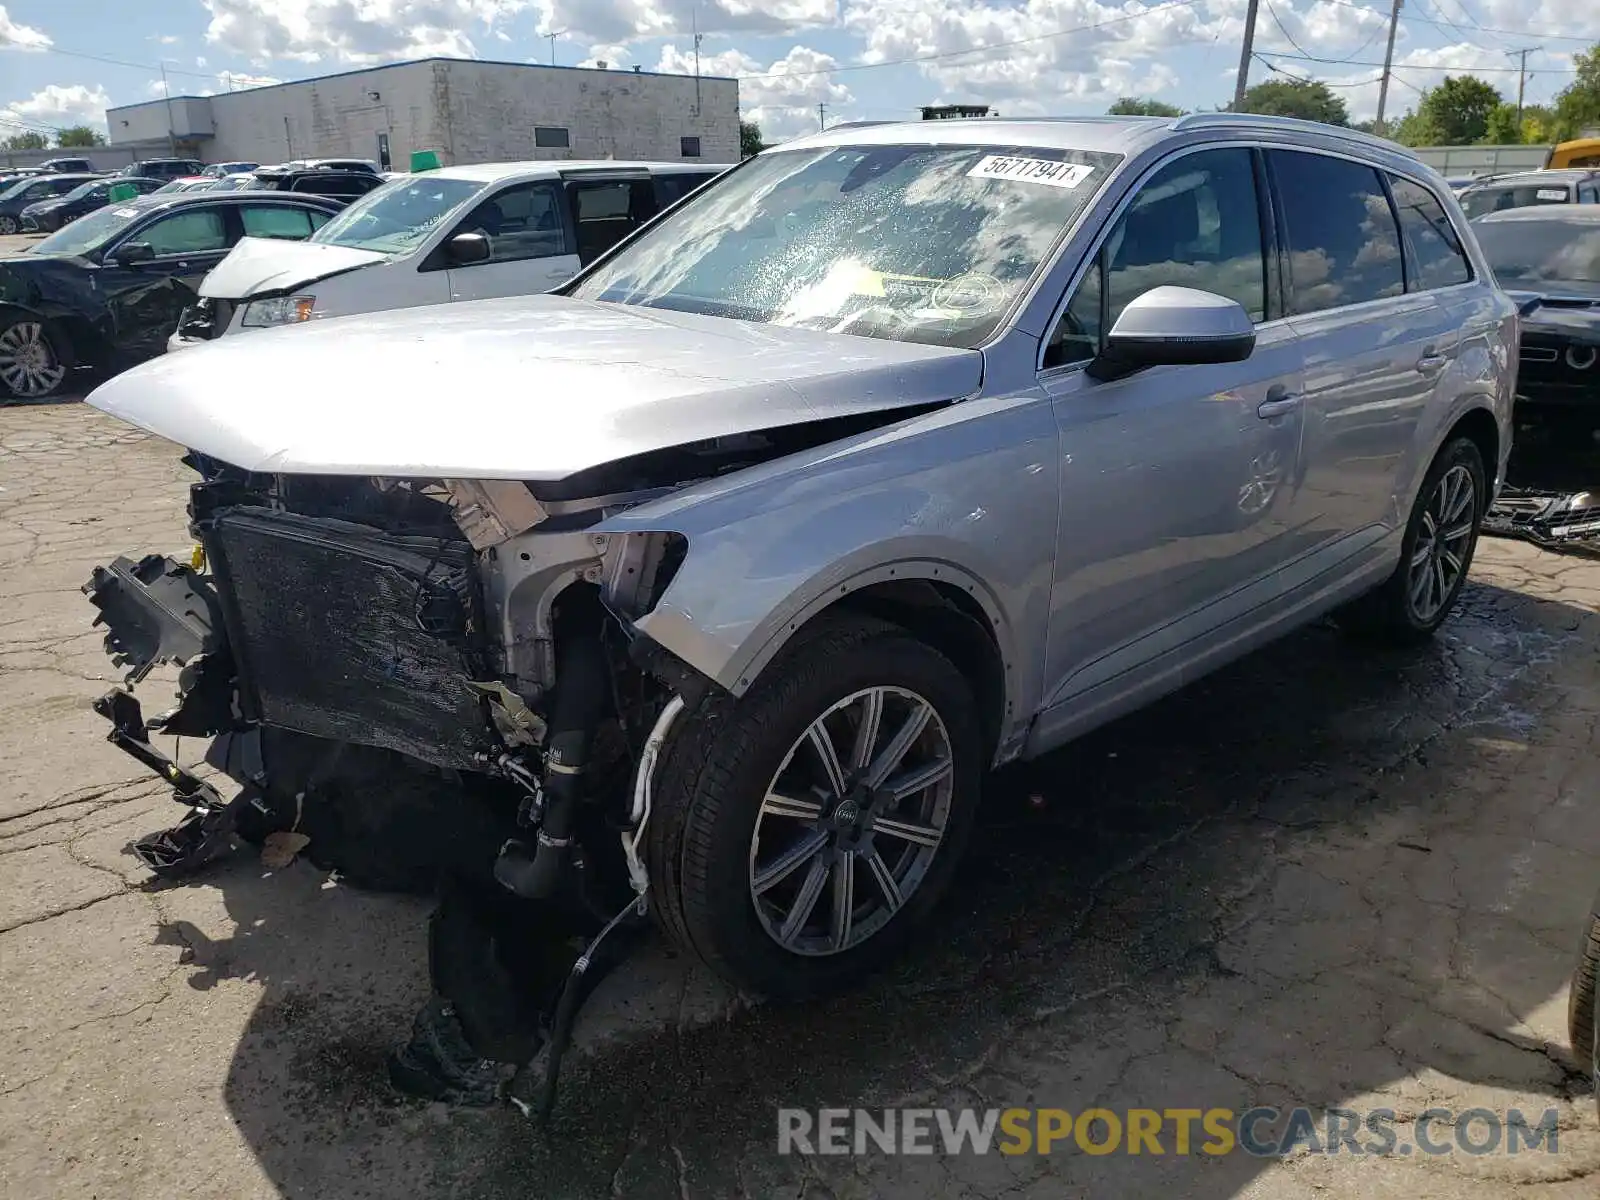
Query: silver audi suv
(895, 454)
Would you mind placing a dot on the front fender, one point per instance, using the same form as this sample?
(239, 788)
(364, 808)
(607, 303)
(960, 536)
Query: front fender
(965, 496)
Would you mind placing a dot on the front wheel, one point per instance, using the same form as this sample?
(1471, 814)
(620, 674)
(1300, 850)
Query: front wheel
(8, 225)
(1435, 552)
(804, 830)
(30, 367)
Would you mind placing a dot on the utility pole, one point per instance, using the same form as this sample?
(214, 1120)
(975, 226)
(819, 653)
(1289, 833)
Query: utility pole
(172, 137)
(694, 17)
(1388, 67)
(552, 36)
(822, 116)
(1522, 80)
(1242, 80)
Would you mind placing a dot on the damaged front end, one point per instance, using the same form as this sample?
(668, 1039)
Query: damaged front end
(338, 633)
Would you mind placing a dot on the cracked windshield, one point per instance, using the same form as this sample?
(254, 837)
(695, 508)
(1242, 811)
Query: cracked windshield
(911, 243)
(399, 216)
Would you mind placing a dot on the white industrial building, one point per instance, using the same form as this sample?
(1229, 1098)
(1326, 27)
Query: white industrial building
(465, 110)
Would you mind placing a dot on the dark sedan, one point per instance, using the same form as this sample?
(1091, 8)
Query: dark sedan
(1549, 259)
(104, 293)
(30, 191)
(47, 216)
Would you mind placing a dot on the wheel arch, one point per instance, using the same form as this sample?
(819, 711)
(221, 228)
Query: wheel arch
(1479, 425)
(63, 336)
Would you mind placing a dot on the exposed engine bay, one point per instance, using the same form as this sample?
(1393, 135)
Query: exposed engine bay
(418, 681)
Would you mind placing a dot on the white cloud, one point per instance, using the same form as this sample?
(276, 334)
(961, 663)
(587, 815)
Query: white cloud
(169, 40)
(353, 31)
(60, 105)
(14, 36)
(1041, 53)
(781, 96)
(630, 20)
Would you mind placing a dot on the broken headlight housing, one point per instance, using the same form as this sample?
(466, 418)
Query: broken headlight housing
(280, 310)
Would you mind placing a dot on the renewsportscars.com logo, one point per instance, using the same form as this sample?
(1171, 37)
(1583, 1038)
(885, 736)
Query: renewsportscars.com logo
(1264, 1132)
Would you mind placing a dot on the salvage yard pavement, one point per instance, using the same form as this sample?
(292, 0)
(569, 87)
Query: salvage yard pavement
(1320, 878)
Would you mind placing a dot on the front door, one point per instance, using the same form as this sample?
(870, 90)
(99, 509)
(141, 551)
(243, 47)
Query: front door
(530, 244)
(146, 299)
(1175, 480)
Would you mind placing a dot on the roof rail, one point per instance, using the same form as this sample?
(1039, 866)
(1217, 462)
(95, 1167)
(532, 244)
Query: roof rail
(1230, 120)
(864, 124)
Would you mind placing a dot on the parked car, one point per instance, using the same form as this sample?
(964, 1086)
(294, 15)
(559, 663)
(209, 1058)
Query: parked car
(344, 186)
(68, 166)
(459, 233)
(30, 191)
(1531, 188)
(1548, 259)
(188, 183)
(334, 164)
(223, 170)
(893, 454)
(239, 181)
(105, 291)
(164, 168)
(46, 216)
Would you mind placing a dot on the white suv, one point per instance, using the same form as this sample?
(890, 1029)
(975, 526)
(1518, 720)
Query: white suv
(460, 233)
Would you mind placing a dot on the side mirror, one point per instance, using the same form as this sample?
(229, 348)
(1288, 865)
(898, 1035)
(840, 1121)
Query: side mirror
(131, 253)
(1175, 326)
(467, 248)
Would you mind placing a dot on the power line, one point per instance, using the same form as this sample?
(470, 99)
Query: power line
(152, 68)
(1518, 33)
(1277, 70)
(1278, 21)
(1399, 66)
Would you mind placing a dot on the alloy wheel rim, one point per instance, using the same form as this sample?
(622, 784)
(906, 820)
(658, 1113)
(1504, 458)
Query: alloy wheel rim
(8, 224)
(851, 821)
(28, 366)
(1439, 558)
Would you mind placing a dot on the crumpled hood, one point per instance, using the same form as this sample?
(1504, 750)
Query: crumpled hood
(261, 265)
(533, 387)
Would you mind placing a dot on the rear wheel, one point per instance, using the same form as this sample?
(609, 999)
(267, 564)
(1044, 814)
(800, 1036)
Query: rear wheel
(804, 830)
(8, 225)
(1435, 552)
(30, 367)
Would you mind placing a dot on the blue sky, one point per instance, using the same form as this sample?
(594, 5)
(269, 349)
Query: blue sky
(1023, 57)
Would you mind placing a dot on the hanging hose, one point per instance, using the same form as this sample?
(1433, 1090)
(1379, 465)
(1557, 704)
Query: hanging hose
(566, 1014)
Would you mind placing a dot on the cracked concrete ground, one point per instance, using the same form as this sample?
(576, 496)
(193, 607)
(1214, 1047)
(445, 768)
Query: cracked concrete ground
(1325, 876)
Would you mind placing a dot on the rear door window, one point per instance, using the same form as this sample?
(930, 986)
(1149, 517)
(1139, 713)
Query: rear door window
(1433, 248)
(605, 213)
(1342, 241)
(275, 221)
(672, 188)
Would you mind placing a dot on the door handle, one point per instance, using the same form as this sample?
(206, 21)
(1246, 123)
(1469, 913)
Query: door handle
(1281, 402)
(1431, 362)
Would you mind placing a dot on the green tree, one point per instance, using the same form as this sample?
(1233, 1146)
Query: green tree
(1413, 129)
(1308, 99)
(1578, 104)
(79, 135)
(750, 139)
(1503, 129)
(1458, 110)
(1140, 106)
(26, 141)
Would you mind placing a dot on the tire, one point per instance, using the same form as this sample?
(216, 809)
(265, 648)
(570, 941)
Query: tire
(1581, 1011)
(32, 366)
(715, 841)
(1393, 611)
(8, 226)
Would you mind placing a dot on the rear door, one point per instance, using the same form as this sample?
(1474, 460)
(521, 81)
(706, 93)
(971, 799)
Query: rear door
(531, 243)
(1373, 350)
(146, 299)
(674, 186)
(606, 210)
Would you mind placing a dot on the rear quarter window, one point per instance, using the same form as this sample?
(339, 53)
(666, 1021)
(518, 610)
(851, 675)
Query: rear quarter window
(1434, 253)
